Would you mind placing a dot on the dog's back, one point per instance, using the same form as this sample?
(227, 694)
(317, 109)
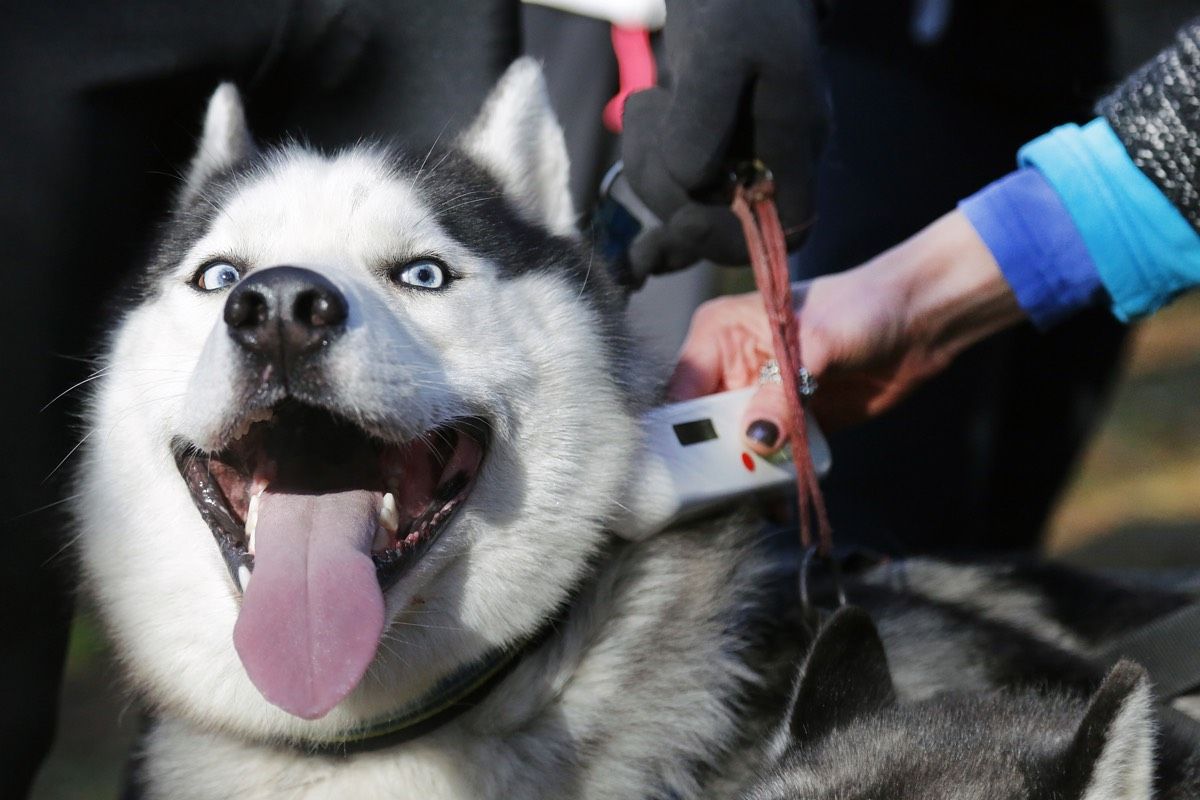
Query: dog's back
(848, 737)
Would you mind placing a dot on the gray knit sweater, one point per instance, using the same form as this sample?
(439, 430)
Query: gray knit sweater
(1156, 114)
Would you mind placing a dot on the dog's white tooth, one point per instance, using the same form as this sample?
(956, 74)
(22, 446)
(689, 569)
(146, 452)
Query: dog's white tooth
(252, 521)
(389, 515)
(383, 539)
(244, 576)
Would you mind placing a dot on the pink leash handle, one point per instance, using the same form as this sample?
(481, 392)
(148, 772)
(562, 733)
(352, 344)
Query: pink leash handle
(635, 70)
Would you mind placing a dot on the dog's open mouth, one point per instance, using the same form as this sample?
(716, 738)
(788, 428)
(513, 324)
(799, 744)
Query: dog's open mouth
(325, 518)
(414, 488)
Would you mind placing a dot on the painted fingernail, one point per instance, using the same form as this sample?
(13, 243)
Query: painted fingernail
(764, 432)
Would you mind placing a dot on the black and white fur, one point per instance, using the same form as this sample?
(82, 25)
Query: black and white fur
(658, 679)
(847, 736)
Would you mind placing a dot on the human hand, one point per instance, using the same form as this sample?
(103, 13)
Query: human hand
(745, 85)
(869, 335)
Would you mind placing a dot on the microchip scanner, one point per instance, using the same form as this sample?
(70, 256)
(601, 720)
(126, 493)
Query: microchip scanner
(694, 461)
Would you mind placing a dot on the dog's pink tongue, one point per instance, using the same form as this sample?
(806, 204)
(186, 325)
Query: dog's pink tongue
(313, 613)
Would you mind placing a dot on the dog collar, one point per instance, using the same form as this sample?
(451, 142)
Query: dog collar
(455, 694)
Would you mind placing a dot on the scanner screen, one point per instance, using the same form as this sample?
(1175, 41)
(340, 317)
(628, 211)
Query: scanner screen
(694, 432)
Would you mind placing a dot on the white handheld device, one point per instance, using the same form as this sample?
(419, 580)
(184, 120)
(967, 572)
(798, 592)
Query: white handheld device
(694, 461)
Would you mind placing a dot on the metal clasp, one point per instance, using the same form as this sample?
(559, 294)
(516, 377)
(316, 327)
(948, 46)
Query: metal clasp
(811, 613)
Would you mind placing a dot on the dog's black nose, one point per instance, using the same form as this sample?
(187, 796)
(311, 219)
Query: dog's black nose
(283, 314)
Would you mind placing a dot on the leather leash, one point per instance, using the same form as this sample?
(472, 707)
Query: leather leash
(754, 205)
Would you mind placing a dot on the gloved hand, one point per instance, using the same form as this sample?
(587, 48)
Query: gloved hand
(746, 84)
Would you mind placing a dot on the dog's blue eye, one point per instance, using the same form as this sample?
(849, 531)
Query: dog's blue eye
(423, 274)
(218, 276)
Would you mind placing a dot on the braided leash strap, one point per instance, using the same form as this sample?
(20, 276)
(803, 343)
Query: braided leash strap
(754, 205)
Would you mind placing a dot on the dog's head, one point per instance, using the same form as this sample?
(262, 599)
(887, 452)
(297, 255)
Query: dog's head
(366, 425)
(846, 735)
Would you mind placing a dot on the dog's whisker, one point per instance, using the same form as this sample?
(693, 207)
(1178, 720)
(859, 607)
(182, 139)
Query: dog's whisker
(67, 457)
(587, 273)
(122, 417)
(46, 507)
(429, 152)
(94, 376)
(63, 550)
(456, 628)
(443, 205)
(90, 361)
(466, 203)
(442, 160)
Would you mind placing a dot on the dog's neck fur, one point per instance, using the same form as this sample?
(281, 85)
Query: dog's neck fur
(637, 693)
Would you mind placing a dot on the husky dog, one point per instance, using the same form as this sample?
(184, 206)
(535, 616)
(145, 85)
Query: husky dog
(847, 736)
(353, 462)
(351, 492)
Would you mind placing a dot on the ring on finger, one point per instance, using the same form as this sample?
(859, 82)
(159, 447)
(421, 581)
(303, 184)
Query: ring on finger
(769, 373)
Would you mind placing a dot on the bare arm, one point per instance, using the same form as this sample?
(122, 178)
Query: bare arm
(869, 335)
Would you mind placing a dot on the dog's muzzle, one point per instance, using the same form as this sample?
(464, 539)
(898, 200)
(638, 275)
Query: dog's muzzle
(283, 316)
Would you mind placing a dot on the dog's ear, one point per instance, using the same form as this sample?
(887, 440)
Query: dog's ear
(1112, 754)
(224, 143)
(517, 138)
(845, 676)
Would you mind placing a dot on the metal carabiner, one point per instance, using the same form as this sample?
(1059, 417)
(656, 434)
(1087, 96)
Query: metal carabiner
(810, 612)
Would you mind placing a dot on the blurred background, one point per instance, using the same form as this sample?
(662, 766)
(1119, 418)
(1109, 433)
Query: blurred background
(1134, 498)
(1136, 495)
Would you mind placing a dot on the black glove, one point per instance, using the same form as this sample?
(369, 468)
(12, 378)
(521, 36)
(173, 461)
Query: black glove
(746, 84)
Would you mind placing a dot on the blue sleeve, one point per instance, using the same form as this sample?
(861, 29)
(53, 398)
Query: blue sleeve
(1033, 238)
(1144, 250)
